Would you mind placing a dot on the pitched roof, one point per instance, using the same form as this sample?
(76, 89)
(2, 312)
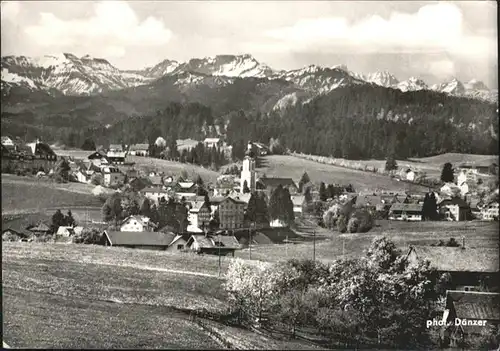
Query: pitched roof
(457, 259)
(156, 180)
(154, 190)
(138, 238)
(474, 305)
(406, 207)
(454, 201)
(197, 205)
(274, 182)
(139, 147)
(115, 147)
(63, 230)
(238, 201)
(243, 197)
(97, 155)
(17, 230)
(210, 242)
(141, 219)
(185, 185)
(216, 199)
(178, 237)
(41, 227)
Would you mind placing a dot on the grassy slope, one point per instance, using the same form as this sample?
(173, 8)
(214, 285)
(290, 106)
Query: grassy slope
(67, 296)
(432, 165)
(290, 166)
(476, 234)
(24, 194)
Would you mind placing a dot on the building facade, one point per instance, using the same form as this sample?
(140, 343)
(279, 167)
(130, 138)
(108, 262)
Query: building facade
(231, 213)
(112, 176)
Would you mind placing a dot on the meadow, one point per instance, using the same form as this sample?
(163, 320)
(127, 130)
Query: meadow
(432, 165)
(293, 167)
(26, 194)
(84, 296)
(329, 247)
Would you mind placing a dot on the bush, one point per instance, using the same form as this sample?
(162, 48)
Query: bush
(88, 236)
(353, 225)
(342, 224)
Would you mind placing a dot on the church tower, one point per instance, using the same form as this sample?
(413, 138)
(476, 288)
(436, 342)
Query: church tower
(248, 171)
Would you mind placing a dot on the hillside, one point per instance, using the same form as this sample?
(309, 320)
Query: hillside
(292, 167)
(97, 297)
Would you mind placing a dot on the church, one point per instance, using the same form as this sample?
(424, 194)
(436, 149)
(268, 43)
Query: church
(249, 178)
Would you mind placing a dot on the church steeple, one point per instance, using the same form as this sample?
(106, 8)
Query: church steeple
(248, 170)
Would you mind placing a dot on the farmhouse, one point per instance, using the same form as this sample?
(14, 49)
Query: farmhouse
(179, 242)
(490, 211)
(137, 240)
(454, 209)
(112, 176)
(186, 187)
(68, 230)
(137, 224)
(468, 267)
(116, 154)
(479, 308)
(139, 149)
(213, 244)
(154, 193)
(297, 200)
(99, 158)
(6, 141)
(212, 142)
(16, 234)
(42, 151)
(406, 212)
(40, 229)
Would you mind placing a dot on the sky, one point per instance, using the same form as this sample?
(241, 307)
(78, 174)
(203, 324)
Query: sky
(434, 41)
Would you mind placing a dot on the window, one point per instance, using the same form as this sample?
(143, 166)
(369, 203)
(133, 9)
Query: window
(180, 247)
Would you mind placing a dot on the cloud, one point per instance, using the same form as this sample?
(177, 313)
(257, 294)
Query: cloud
(112, 28)
(433, 28)
(442, 68)
(9, 10)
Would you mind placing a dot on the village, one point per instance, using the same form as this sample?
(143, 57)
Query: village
(154, 210)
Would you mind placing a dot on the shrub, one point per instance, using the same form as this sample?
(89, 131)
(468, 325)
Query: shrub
(341, 224)
(353, 225)
(88, 236)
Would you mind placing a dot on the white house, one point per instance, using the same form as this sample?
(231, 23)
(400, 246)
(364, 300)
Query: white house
(67, 231)
(411, 175)
(137, 224)
(490, 212)
(82, 177)
(405, 212)
(297, 200)
(6, 141)
(155, 193)
(212, 142)
(112, 176)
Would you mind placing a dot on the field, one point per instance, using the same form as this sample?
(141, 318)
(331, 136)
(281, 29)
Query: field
(79, 296)
(433, 165)
(294, 167)
(23, 194)
(148, 163)
(336, 245)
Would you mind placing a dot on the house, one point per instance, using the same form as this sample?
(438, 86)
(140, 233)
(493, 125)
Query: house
(6, 141)
(116, 154)
(186, 187)
(464, 188)
(212, 142)
(137, 240)
(154, 193)
(138, 184)
(260, 149)
(405, 212)
(478, 309)
(468, 267)
(40, 229)
(179, 242)
(139, 149)
(16, 234)
(454, 209)
(231, 213)
(411, 175)
(137, 224)
(112, 176)
(449, 190)
(297, 200)
(214, 244)
(277, 223)
(490, 211)
(68, 230)
(82, 177)
(99, 158)
(199, 215)
(269, 184)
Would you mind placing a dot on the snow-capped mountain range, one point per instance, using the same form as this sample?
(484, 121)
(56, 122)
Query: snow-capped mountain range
(70, 75)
